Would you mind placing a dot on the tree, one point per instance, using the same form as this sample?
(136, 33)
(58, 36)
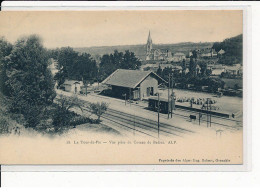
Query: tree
(98, 109)
(183, 66)
(61, 116)
(194, 54)
(75, 66)
(66, 60)
(118, 60)
(203, 67)
(5, 50)
(85, 68)
(29, 81)
(208, 72)
(233, 48)
(159, 71)
(192, 67)
(130, 61)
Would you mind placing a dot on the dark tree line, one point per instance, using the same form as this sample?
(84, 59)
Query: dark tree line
(198, 75)
(74, 66)
(233, 48)
(28, 82)
(82, 67)
(5, 50)
(117, 60)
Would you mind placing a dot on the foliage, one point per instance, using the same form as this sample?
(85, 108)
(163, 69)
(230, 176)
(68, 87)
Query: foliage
(74, 66)
(61, 115)
(183, 66)
(29, 81)
(159, 71)
(98, 108)
(4, 125)
(203, 67)
(5, 50)
(194, 54)
(233, 48)
(192, 67)
(118, 60)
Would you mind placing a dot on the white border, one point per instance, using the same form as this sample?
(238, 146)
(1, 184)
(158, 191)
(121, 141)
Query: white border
(68, 6)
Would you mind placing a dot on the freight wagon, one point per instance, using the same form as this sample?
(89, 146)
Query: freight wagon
(164, 104)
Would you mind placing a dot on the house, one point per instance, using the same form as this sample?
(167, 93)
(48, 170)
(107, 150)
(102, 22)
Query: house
(208, 53)
(178, 57)
(221, 52)
(236, 69)
(216, 69)
(154, 67)
(151, 67)
(73, 86)
(156, 54)
(214, 53)
(133, 84)
(166, 65)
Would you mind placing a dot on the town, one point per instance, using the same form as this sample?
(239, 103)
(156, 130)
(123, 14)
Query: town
(162, 93)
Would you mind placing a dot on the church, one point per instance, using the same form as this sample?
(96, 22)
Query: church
(156, 54)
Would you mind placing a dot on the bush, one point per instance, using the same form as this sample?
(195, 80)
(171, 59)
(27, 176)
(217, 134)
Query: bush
(4, 125)
(98, 109)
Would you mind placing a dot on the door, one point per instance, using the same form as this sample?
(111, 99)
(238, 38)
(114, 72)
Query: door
(151, 92)
(148, 90)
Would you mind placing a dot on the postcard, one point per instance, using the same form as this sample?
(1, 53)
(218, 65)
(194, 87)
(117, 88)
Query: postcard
(136, 87)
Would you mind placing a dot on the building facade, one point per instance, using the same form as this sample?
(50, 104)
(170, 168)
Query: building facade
(156, 54)
(133, 84)
(73, 86)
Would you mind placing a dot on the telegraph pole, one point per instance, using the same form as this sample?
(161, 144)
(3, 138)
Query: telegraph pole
(158, 114)
(125, 98)
(210, 115)
(172, 96)
(130, 96)
(134, 124)
(200, 115)
(169, 95)
(208, 112)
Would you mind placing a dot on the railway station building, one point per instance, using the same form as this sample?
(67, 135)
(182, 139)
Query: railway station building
(134, 84)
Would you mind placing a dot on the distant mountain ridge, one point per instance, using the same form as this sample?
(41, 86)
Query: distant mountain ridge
(140, 49)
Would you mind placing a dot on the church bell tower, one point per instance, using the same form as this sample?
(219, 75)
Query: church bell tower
(149, 47)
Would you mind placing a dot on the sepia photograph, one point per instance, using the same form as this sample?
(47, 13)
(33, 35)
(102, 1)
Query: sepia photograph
(122, 87)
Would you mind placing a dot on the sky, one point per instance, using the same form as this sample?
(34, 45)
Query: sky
(110, 28)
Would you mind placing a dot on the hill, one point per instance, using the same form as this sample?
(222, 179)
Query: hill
(140, 50)
(233, 48)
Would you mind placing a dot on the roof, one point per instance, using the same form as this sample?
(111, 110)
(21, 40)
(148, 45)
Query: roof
(128, 78)
(179, 54)
(177, 67)
(70, 82)
(156, 98)
(232, 68)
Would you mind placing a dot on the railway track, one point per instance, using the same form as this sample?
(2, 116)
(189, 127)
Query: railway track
(195, 112)
(141, 125)
(147, 127)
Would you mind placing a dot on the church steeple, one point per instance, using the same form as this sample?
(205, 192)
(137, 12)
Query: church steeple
(149, 44)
